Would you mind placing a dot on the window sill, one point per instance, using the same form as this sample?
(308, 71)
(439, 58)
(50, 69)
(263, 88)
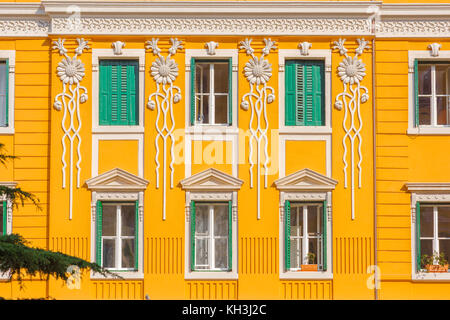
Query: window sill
(118, 129)
(211, 129)
(213, 275)
(317, 275)
(431, 276)
(305, 130)
(6, 130)
(126, 275)
(429, 131)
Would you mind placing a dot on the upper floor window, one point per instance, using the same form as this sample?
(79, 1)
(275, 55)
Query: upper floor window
(433, 233)
(211, 99)
(432, 93)
(305, 233)
(304, 93)
(211, 236)
(119, 88)
(117, 238)
(4, 93)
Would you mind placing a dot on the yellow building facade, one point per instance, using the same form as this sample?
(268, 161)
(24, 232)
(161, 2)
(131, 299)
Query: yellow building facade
(217, 150)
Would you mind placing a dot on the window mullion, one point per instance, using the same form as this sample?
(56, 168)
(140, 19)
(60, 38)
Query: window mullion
(118, 240)
(305, 233)
(211, 242)
(212, 100)
(433, 95)
(436, 230)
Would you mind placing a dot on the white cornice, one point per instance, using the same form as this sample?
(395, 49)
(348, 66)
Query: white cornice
(305, 180)
(426, 187)
(211, 180)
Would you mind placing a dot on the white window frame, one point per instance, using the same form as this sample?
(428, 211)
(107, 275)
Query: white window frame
(9, 210)
(295, 54)
(423, 56)
(108, 54)
(218, 55)
(433, 193)
(211, 237)
(118, 238)
(9, 55)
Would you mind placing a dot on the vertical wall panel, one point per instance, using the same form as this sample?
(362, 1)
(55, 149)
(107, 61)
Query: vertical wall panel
(353, 254)
(164, 255)
(258, 255)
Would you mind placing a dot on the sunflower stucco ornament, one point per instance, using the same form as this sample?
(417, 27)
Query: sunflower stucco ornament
(258, 72)
(164, 71)
(352, 71)
(71, 72)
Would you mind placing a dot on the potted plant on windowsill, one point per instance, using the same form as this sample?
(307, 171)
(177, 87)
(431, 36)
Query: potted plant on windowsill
(429, 262)
(310, 266)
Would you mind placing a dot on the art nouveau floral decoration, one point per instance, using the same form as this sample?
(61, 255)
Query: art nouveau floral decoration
(352, 71)
(258, 71)
(164, 71)
(71, 71)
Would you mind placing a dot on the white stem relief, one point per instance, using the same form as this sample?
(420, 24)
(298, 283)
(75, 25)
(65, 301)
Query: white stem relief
(352, 72)
(164, 71)
(71, 71)
(258, 71)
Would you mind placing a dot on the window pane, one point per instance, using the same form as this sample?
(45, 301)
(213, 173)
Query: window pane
(202, 108)
(442, 110)
(109, 220)
(221, 109)
(296, 250)
(221, 220)
(109, 253)
(313, 248)
(314, 221)
(201, 220)
(424, 111)
(444, 246)
(426, 247)
(201, 253)
(3, 102)
(221, 253)
(128, 220)
(426, 222)
(444, 222)
(424, 79)
(202, 77)
(442, 74)
(128, 253)
(221, 78)
(294, 221)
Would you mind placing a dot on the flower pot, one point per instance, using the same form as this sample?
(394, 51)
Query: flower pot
(436, 268)
(309, 267)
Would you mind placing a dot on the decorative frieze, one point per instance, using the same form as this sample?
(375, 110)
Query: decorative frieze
(416, 28)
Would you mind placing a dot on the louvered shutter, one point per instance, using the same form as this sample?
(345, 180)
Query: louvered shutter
(290, 84)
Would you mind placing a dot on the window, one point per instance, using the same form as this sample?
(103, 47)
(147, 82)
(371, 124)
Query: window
(433, 230)
(117, 236)
(119, 88)
(211, 101)
(3, 217)
(4, 93)
(305, 235)
(304, 93)
(432, 89)
(211, 236)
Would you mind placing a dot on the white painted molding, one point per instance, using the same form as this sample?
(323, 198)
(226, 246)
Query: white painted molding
(211, 180)
(305, 180)
(304, 48)
(10, 55)
(71, 71)
(211, 47)
(434, 49)
(428, 187)
(117, 179)
(117, 47)
(352, 71)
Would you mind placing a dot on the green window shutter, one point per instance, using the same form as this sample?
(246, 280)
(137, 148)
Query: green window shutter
(324, 235)
(192, 235)
(5, 217)
(416, 92)
(313, 94)
(418, 262)
(230, 92)
(192, 91)
(119, 84)
(99, 232)
(287, 233)
(290, 94)
(136, 239)
(230, 235)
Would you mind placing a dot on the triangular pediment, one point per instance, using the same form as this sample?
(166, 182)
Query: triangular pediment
(211, 179)
(117, 179)
(305, 180)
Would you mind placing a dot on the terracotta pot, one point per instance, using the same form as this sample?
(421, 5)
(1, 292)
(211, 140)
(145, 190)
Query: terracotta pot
(436, 268)
(309, 267)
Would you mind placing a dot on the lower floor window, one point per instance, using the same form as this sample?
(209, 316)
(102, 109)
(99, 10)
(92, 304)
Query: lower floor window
(117, 235)
(3, 217)
(211, 236)
(305, 236)
(433, 234)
